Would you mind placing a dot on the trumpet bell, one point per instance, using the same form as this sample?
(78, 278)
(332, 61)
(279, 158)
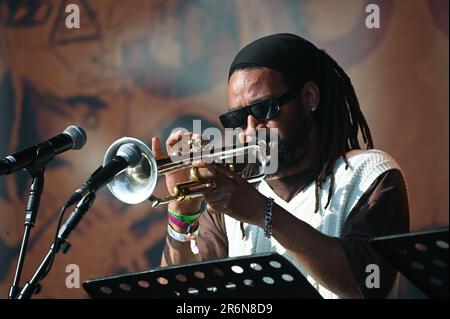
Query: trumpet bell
(136, 183)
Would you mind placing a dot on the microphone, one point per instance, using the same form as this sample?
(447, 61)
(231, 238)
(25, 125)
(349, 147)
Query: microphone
(127, 155)
(73, 137)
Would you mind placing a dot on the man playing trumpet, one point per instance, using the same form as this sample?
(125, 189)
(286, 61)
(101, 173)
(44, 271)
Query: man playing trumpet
(327, 198)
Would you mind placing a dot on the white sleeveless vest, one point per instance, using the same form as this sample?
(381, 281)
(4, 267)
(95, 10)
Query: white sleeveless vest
(365, 167)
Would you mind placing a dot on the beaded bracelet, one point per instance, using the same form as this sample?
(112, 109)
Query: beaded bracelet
(268, 218)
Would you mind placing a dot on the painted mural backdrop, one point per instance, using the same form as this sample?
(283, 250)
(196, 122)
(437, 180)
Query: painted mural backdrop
(140, 68)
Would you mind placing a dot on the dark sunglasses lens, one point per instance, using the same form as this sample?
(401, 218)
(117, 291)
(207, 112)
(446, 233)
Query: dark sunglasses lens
(264, 110)
(234, 119)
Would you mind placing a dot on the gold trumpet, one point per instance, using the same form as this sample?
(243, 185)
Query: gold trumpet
(137, 183)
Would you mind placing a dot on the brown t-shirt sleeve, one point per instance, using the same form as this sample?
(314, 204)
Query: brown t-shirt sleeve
(212, 238)
(382, 210)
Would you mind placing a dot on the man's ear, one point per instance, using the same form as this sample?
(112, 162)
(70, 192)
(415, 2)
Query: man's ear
(311, 96)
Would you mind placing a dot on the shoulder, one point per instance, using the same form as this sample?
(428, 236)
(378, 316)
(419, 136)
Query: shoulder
(364, 167)
(366, 162)
(372, 157)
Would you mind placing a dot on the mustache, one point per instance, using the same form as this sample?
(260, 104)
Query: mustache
(252, 135)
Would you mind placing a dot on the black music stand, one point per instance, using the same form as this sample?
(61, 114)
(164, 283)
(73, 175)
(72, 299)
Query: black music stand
(264, 276)
(421, 256)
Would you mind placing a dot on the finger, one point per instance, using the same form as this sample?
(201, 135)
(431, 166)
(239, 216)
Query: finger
(208, 171)
(200, 164)
(176, 136)
(214, 171)
(219, 169)
(215, 198)
(201, 137)
(212, 195)
(156, 147)
(202, 170)
(179, 136)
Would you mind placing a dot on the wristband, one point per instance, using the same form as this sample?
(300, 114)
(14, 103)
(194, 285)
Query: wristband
(185, 218)
(180, 223)
(191, 237)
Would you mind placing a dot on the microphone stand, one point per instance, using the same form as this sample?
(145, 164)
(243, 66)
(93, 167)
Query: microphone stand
(44, 154)
(61, 245)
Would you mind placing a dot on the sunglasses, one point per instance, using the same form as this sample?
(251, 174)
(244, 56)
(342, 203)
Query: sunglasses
(262, 111)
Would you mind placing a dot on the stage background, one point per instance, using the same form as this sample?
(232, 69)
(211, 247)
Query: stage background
(140, 68)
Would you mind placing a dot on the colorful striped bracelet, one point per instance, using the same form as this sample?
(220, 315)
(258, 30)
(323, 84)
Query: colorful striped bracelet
(180, 223)
(185, 218)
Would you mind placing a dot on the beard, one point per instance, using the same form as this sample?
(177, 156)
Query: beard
(294, 144)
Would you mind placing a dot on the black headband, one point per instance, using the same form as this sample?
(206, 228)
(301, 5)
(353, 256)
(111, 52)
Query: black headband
(286, 53)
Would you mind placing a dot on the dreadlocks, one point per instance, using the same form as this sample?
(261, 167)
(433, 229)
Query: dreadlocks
(339, 119)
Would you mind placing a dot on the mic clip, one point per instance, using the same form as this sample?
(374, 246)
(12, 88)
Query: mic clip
(87, 188)
(44, 154)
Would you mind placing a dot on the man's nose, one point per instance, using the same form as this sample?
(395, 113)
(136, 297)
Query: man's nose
(253, 123)
(250, 130)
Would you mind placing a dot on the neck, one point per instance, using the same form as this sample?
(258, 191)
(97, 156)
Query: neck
(295, 168)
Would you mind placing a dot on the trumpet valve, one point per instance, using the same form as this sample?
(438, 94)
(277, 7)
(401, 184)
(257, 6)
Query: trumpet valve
(194, 173)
